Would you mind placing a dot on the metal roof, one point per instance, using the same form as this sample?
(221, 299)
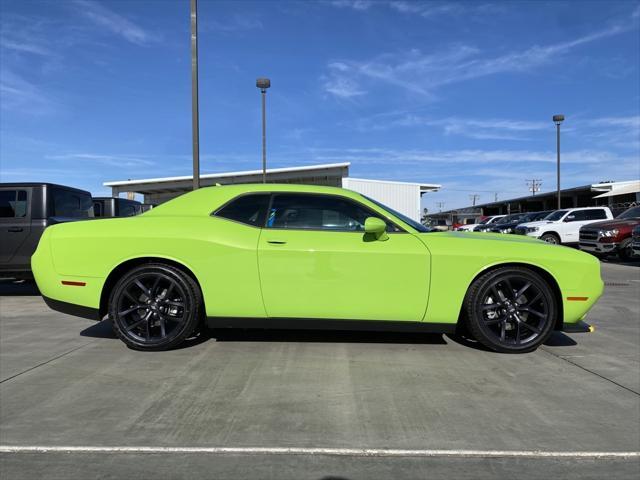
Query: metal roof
(328, 166)
(424, 187)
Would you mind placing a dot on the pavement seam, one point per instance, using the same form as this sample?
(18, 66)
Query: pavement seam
(566, 359)
(48, 361)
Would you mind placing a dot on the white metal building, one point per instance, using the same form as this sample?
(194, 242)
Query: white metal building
(401, 196)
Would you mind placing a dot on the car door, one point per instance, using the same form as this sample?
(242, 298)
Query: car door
(15, 227)
(315, 261)
(576, 219)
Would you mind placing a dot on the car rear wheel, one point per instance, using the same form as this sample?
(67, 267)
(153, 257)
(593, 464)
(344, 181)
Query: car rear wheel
(155, 307)
(550, 238)
(511, 310)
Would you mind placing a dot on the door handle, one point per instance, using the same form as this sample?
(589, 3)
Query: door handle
(16, 229)
(276, 242)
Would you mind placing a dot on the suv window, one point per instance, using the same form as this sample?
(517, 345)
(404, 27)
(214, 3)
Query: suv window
(319, 212)
(70, 204)
(248, 209)
(13, 203)
(582, 215)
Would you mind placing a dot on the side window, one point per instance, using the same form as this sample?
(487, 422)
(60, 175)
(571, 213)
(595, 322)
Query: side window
(247, 209)
(597, 214)
(97, 209)
(70, 204)
(13, 203)
(576, 216)
(318, 212)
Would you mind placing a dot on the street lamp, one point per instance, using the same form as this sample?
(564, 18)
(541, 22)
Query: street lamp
(263, 84)
(558, 119)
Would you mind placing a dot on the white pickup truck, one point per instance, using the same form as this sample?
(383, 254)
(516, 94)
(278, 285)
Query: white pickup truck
(563, 226)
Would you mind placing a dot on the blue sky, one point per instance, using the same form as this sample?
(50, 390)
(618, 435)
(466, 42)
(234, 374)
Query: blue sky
(457, 93)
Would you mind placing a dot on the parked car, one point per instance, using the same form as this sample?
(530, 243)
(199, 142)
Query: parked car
(635, 241)
(304, 256)
(611, 236)
(563, 226)
(26, 209)
(508, 226)
(115, 207)
(485, 221)
(484, 227)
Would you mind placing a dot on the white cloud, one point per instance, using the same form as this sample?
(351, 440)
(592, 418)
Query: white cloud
(354, 4)
(422, 73)
(110, 160)
(114, 22)
(20, 95)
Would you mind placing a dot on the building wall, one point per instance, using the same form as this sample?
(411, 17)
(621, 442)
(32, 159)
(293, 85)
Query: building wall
(403, 197)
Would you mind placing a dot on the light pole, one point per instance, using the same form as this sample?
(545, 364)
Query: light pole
(195, 128)
(263, 84)
(558, 119)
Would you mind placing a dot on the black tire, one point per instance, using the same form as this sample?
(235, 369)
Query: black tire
(524, 314)
(551, 238)
(625, 252)
(170, 307)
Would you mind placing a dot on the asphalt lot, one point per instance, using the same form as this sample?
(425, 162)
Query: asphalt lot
(65, 381)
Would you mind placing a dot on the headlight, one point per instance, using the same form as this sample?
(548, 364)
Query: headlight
(532, 229)
(609, 233)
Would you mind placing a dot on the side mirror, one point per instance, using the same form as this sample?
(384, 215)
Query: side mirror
(570, 218)
(377, 227)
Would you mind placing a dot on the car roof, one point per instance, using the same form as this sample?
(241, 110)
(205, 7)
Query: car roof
(40, 184)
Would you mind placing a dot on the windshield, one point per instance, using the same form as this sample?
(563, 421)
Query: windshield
(508, 218)
(557, 215)
(482, 222)
(418, 226)
(633, 212)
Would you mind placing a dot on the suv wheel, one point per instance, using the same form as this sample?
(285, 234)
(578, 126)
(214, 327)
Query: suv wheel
(550, 238)
(625, 252)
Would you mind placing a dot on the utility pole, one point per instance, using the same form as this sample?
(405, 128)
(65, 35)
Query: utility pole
(195, 127)
(534, 185)
(495, 197)
(558, 119)
(473, 198)
(440, 205)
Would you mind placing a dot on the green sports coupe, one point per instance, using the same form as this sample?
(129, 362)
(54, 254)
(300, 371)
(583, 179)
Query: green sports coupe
(295, 256)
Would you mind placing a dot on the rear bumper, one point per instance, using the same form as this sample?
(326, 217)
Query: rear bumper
(578, 327)
(72, 309)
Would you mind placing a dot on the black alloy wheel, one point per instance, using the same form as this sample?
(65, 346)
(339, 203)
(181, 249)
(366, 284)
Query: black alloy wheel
(155, 307)
(511, 309)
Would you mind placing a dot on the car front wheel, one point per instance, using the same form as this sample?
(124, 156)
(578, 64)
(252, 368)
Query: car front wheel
(511, 310)
(155, 307)
(550, 238)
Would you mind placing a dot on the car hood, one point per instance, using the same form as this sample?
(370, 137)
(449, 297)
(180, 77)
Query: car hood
(535, 224)
(610, 224)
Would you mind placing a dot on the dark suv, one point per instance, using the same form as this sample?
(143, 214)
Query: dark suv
(115, 207)
(611, 236)
(26, 209)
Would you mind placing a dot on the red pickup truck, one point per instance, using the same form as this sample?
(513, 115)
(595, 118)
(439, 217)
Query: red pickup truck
(611, 236)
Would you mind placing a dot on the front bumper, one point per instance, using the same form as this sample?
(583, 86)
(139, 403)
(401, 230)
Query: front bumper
(598, 247)
(578, 327)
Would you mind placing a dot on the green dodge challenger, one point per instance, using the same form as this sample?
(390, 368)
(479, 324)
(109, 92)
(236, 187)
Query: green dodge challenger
(295, 256)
